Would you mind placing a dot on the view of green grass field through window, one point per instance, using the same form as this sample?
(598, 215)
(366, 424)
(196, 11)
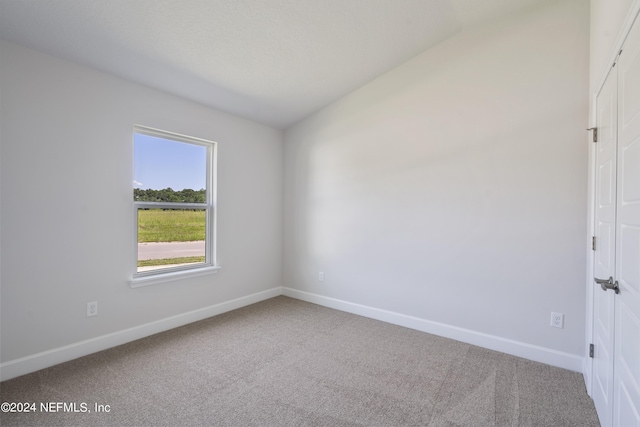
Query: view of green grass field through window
(171, 225)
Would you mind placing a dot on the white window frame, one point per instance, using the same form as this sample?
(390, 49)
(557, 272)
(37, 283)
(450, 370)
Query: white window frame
(161, 275)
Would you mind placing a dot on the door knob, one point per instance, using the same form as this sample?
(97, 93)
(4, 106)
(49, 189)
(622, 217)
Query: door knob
(608, 284)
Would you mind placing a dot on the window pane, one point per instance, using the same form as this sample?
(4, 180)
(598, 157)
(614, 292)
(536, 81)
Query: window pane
(173, 200)
(170, 237)
(171, 166)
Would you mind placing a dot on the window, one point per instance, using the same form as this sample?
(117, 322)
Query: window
(173, 198)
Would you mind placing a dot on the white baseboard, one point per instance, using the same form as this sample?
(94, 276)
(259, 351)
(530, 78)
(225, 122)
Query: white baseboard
(32, 363)
(532, 352)
(28, 364)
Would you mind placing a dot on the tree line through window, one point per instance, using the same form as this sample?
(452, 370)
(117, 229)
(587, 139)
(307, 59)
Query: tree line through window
(169, 195)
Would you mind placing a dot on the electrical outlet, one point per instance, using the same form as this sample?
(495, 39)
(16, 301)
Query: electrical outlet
(321, 276)
(92, 308)
(557, 320)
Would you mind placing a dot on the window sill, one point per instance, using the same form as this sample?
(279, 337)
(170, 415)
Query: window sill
(170, 276)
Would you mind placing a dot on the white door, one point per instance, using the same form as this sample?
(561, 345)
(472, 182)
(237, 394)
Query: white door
(604, 265)
(626, 383)
(616, 316)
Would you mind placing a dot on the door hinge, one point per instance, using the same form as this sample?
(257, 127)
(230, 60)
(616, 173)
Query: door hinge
(595, 133)
(593, 243)
(591, 349)
(615, 61)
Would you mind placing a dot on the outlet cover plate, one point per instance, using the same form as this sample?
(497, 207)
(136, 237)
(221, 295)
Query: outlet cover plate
(557, 320)
(92, 308)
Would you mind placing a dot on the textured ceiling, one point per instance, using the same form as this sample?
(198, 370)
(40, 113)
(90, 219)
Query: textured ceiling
(272, 61)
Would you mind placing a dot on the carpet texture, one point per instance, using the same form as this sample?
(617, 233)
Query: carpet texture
(284, 362)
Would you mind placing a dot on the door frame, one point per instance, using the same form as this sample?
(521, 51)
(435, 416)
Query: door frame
(587, 366)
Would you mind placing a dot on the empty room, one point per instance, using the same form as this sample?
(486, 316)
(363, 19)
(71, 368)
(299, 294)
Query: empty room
(320, 212)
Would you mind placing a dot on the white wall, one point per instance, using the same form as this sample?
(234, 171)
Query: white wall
(453, 188)
(67, 218)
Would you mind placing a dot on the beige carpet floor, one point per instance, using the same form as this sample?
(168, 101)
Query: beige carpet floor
(283, 362)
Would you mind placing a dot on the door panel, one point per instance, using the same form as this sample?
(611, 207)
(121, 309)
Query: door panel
(626, 408)
(629, 276)
(604, 265)
(627, 303)
(628, 354)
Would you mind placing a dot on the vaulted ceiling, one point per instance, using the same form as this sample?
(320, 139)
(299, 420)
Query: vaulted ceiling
(271, 61)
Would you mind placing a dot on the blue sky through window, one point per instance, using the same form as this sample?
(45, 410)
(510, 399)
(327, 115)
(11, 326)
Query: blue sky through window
(160, 163)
